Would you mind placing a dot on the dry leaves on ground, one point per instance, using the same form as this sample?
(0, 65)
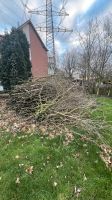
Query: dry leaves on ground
(106, 155)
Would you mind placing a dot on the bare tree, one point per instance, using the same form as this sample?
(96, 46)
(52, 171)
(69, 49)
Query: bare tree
(70, 63)
(96, 49)
(87, 48)
(102, 59)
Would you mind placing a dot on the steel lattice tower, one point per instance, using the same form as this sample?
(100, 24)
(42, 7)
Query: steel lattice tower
(50, 30)
(50, 34)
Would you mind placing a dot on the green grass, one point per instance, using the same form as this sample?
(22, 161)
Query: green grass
(103, 112)
(55, 163)
(104, 109)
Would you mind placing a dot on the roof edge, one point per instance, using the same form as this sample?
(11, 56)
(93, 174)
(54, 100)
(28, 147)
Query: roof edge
(30, 23)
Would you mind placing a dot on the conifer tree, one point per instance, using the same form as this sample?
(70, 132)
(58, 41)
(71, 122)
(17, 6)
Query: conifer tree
(15, 66)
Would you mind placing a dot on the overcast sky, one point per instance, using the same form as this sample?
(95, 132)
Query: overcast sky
(80, 11)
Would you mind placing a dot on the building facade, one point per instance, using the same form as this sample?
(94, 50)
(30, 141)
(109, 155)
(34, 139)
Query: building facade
(37, 50)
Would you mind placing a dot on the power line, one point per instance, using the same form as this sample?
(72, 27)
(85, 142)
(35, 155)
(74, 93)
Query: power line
(8, 20)
(64, 2)
(6, 12)
(49, 28)
(25, 5)
(5, 17)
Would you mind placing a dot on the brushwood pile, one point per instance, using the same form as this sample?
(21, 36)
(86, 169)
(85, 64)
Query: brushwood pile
(54, 99)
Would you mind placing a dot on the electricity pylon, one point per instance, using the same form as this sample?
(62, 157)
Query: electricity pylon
(50, 30)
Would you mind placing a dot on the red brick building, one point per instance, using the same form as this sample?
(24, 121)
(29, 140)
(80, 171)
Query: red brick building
(37, 49)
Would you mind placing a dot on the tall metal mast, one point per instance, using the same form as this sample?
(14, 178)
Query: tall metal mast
(50, 30)
(50, 43)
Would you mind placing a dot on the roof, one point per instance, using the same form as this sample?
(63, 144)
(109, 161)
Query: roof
(30, 23)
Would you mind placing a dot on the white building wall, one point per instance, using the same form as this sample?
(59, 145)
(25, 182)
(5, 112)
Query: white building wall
(26, 31)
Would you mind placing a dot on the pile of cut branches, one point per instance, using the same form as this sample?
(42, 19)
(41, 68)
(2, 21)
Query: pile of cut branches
(54, 99)
(47, 105)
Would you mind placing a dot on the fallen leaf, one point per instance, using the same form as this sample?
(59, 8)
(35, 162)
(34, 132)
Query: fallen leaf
(17, 156)
(85, 178)
(18, 180)
(21, 165)
(55, 184)
(77, 191)
(29, 170)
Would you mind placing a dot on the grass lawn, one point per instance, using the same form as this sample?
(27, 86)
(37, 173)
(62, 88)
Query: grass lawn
(104, 113)
(37, 168)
